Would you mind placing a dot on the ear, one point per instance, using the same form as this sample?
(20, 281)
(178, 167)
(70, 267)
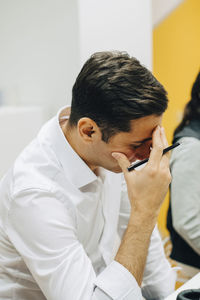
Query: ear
(88, 130)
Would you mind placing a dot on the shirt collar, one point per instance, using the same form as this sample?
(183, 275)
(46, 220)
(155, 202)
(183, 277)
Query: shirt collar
(74, 167)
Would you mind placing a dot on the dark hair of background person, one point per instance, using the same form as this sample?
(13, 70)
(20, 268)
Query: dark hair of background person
(192, 108)
(112, 89)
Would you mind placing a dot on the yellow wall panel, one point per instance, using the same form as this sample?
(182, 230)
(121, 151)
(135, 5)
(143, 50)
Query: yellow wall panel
(176, 62)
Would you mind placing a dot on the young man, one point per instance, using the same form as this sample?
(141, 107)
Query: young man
(70, 226)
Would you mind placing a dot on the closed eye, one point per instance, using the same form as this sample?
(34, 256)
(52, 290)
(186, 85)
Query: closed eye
(135, 146)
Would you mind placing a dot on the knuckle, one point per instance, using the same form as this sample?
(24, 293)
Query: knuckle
(152, 171)
(169, 178)
(166, 175)
(159, 147)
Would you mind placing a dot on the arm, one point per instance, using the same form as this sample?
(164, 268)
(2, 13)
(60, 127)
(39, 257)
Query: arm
(145, 203)
(185, 191)
(159, 278)
(42, 228)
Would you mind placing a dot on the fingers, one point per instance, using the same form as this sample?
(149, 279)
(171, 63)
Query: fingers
(157, 148)
(165, 142)
(165, 158)
(122, 160)
(159, 142)
(163, 137)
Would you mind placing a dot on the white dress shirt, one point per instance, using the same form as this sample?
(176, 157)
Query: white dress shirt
(60, 229)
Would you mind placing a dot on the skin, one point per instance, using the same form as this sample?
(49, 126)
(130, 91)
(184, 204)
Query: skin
(146, 187)
(86, 140)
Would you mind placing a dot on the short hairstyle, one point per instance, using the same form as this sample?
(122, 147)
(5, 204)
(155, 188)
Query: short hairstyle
(112, 89)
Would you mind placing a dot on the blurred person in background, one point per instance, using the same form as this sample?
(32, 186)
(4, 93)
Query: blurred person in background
(183, 220)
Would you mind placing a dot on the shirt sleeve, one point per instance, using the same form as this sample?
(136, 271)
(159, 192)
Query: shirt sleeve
(117, 282)
(185, 191)
(159, 278)
(43, 231)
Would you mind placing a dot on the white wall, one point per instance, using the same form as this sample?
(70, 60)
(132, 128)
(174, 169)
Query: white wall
(115, 24)
(43, 44)
(18, 126)
(162, 8)
(39, 52)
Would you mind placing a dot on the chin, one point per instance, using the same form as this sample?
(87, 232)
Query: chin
(116, 169)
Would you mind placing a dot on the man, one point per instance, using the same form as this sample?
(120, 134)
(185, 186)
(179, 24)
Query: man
(71, 228)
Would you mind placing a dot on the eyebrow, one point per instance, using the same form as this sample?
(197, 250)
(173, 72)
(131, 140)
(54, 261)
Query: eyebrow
(140, 142)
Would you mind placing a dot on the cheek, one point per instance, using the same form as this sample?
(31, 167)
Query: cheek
(143, 152)
(131, 154)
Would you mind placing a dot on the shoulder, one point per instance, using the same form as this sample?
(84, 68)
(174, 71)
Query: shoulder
(37, 168)
(189, 149)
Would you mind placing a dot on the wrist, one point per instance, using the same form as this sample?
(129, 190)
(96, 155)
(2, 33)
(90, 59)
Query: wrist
(143, 218)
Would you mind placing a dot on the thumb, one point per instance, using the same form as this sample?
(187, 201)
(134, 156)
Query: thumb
(122, 160)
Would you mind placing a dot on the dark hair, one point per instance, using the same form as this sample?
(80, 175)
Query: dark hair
(112, 89)
(192, 108)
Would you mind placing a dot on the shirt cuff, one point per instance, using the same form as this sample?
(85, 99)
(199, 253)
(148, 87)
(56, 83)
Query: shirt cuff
(118, 283)
(162, 288)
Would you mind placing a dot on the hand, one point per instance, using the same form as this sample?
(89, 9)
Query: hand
(147, 187)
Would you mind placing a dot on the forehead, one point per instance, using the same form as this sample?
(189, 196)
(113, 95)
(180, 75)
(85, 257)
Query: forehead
(141, 129)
